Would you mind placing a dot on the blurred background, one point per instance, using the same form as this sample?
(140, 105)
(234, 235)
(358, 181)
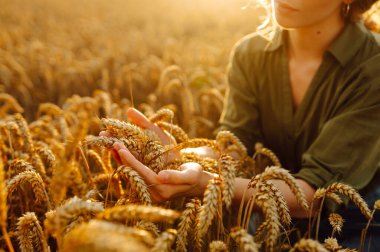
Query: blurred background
(50, 50)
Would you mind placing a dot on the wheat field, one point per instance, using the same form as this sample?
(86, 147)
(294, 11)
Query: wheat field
(69, 69)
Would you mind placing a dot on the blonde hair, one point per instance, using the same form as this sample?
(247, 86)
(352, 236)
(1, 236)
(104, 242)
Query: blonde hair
(365, 10)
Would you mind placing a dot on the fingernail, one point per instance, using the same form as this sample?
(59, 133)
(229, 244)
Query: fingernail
(117, 146)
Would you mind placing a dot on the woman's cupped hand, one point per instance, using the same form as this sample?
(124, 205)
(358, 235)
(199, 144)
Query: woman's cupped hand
(188, 180)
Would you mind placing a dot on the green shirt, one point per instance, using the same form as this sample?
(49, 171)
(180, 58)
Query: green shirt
(335, 133)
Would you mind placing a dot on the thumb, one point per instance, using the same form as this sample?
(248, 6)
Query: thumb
(190, 174)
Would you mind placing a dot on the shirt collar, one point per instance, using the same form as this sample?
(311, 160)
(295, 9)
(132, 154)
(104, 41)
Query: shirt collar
(348, 42)
(276, 42)
(343, 48)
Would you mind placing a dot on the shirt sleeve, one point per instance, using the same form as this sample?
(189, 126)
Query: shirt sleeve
(240, 112)
(347, 149)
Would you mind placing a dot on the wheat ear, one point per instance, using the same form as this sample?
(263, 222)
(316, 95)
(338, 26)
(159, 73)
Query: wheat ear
(148, 226)
(35, 181)
(274, 172)
(306, 245)
(163, 114)
(332, 244)
(227, 139)
(353, 195)
(177, 132)
(228, 171)
(209, 208)
(217, 246)
(141, 212)
(99, 236)
(137, 182)
(57, 221)
(187, 223)
(165, 241)
(93, 155)
(244, 240)
(4, 207)
(30, 234)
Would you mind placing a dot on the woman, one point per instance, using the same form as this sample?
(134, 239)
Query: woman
(311, 94)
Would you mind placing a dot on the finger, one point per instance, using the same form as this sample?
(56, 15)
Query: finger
(105, 133)
(128, 159)
(138, 118)
(118, 146)
(170, 191)
(189, 174)
(116, 156)
(141, 120)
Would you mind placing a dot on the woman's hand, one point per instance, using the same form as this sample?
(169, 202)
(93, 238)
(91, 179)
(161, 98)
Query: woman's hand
(140, 120)
(190, 180)
(167, 184)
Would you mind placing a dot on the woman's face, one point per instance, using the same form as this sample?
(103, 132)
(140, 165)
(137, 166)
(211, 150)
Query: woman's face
(304, 13)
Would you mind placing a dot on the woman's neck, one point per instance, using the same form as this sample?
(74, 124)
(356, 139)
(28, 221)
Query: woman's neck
(311, 42)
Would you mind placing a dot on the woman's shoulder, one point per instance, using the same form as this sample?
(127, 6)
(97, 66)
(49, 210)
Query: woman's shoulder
(251, 44)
